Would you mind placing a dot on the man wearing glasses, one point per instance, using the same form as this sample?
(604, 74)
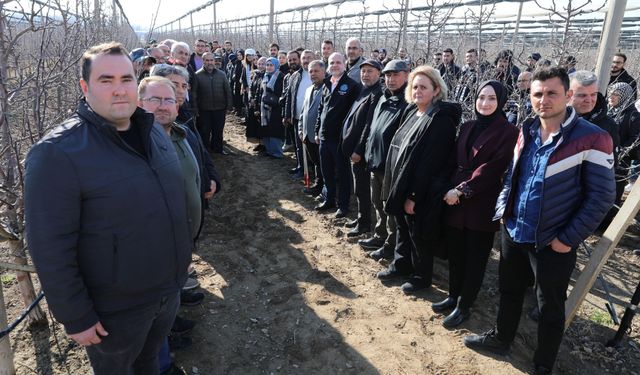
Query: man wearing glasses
(105, 220)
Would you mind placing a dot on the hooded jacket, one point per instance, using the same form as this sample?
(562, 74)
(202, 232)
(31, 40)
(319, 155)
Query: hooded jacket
(107, 226)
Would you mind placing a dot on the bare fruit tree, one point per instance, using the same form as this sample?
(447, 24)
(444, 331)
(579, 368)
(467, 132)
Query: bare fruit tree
(567, 14)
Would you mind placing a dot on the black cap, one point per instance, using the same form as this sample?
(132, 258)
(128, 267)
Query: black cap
(396, 65)
(374, 63)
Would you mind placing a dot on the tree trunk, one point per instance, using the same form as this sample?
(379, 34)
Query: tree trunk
(25, 283)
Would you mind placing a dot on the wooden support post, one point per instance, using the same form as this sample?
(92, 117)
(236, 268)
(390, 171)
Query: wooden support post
(602, 251)
(609, 41)
(6, 355)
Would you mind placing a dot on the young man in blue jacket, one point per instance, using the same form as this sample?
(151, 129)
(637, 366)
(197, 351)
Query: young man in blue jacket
(106, 220)
(558, 188)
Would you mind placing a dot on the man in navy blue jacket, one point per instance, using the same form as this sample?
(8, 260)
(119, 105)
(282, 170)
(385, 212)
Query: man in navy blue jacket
(338, 95)
(558, 188)
(106, 220)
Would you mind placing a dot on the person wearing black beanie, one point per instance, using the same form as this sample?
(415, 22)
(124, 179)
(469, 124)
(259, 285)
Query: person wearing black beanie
(482, 153)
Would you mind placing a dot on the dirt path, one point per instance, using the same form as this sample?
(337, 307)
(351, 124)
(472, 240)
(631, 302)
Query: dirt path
(287, 293)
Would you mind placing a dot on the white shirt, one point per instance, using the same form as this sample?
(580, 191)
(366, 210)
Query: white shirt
(305, 82)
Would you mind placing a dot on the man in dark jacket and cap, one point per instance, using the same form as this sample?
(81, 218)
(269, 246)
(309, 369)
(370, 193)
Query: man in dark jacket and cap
(354, 124)
(373, 148)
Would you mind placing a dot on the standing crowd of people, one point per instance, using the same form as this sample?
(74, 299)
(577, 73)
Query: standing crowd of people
(439, 158)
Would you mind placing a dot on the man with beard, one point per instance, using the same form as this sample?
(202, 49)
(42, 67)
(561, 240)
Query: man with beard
(353, 127)
(298, 82)
(212, 98)
(338, 94)
(373, 148)
(354, 52)
(620, 74)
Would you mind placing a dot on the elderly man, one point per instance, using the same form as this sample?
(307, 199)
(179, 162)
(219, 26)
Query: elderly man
(354, 51)
(519, 105)
(592, 106)
(105, 219)
(338, 95)
(353, 127)
(545, 219)
(308, 118)
(373, 148)
(212, 98)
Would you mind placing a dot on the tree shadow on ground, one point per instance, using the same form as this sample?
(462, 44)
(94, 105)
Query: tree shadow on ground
(260, 322)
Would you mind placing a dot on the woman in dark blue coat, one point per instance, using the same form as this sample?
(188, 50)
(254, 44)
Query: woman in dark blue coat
(482, 154)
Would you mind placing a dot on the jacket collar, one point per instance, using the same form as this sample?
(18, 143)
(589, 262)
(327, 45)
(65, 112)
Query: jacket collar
(140, 118)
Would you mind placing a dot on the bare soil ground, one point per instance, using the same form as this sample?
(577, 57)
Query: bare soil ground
(288, 293)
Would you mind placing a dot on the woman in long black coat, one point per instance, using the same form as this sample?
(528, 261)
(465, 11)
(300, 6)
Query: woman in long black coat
(416, 176)
(271, 109)
(482, 154)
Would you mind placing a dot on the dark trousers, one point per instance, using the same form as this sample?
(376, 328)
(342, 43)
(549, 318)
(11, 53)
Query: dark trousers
(362, 187)
(313, 161)
(552, 272)
(134, 340)
(336, 173)
(469, 252)
(299, 158)
(211, 127)
(385, 224)
(411, 256)
(290, 134)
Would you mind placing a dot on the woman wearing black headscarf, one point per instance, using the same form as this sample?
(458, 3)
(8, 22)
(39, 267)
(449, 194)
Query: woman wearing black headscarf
(482, 154)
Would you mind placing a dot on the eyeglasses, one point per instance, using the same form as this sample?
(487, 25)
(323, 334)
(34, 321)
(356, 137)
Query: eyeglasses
(157, 101)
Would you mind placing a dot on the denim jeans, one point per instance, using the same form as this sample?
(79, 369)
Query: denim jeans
(135, 338)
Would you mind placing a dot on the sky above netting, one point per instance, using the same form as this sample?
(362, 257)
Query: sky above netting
(143, 13)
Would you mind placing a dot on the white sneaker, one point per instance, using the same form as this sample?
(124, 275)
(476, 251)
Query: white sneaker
(628, 187)
(191, 284)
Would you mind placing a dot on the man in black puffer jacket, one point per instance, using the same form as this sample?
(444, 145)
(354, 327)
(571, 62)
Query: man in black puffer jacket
(106, 220)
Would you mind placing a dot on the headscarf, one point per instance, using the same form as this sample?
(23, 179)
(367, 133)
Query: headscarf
(502, 95)
(270, 78)
(232, 57)
(625, 91)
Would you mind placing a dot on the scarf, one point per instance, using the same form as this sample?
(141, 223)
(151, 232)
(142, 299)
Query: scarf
(625, 91)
